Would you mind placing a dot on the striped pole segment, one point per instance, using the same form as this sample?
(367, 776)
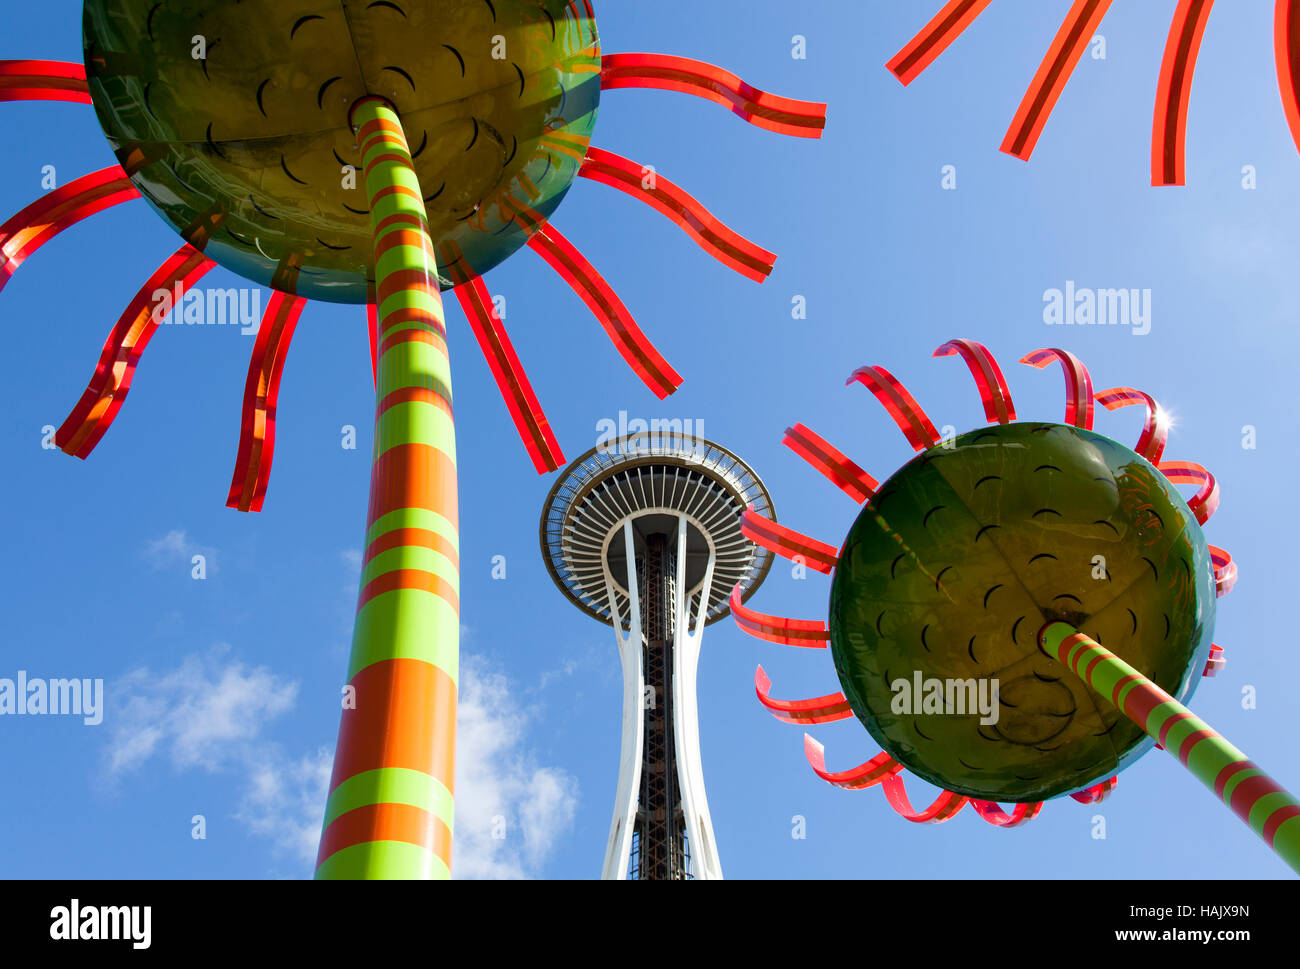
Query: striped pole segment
(389, 813)
(1253, 796)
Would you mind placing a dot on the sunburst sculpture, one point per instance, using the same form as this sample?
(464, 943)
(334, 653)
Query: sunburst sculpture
(378, 153)
(1021, 611)
(1173, 90)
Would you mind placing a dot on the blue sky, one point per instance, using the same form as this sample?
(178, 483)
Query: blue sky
(223, 693)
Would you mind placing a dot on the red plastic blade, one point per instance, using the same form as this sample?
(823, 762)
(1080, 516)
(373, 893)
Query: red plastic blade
(1216, 662)
(372, 327)
(262, 388)
(822, 709)
(804, 119)
(945, 806)
(1053, 73)
(1286, 51)
(102, 399)
(873, 772)
(724, 244)
(1078, 383)
(1204, 503)
(53, 212)
(983, 366)
(525, 410)
(1174, 90)
(994, 815)
(846, 475)
(43, 81)
(934, 38)
(902, 407)
(636, 349)
(1097, 793)
(787, 542)
(1155, 433)
(811, 633)
(1225, 571)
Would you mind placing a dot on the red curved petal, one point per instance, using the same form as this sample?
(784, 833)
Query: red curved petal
(994, 815)
(805, 119)
(724, 244)
(1097, 793)
(787, 542)
(1174, 90)
(1286, 51)
(1067, 47)
(1155, 433)
(1204, 503)
(53, 212)
(257, 428)
(43, 81)
(102, 399)
(934, 38)
(846, 475)
(1078, 383)
(945, 806)
(1216, 662)
(873, 772)
(811, 633)
(372, 327)
(1225, 571)
(636, 349)
(983, 366)
(525, 410)
(902, 407)
(822, 709)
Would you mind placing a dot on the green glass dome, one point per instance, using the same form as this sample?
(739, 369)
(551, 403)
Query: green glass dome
(960, 558)
(232, 120)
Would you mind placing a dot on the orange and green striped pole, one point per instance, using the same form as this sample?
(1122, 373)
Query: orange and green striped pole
(389, 813)
(1256, 798)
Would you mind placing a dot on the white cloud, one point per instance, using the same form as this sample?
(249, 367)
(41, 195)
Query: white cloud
(213, 712)
(510, 812)
(176, 547)
(351, 558)
(565, 669)
(169, 546)
(286, 802)
(203, 714)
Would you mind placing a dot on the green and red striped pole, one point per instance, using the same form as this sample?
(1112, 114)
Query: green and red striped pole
(1256, 798)
(389, 813)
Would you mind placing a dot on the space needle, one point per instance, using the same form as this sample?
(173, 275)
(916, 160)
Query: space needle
(643, 534)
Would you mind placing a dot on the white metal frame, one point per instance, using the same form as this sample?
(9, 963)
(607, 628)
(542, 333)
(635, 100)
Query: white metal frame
(619, 848)
(686, 728)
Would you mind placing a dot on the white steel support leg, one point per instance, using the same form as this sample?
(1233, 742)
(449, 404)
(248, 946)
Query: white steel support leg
(686, 728)
(619, 849)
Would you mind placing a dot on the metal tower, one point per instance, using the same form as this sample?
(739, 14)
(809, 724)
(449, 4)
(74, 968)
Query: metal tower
(643, 533)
